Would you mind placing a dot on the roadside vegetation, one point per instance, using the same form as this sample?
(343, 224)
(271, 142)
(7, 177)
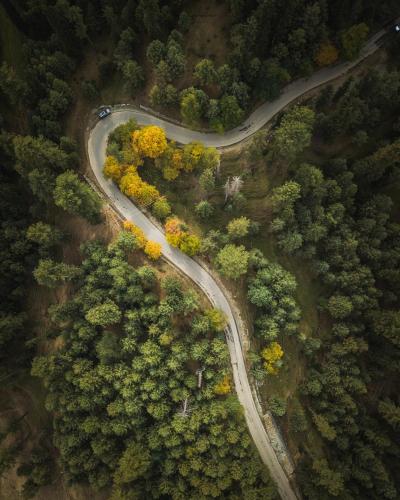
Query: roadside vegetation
(302, 226)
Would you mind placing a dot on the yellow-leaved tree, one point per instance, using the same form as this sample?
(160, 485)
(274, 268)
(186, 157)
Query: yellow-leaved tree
(272, 356)
(192, 154)
(223, 387)
(137, 232)
(178, 236)
(149, 141)
(112, 169)
(153, 250)
(132, 185)
(174, 230)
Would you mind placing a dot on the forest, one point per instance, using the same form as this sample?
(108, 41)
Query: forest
(116, 376)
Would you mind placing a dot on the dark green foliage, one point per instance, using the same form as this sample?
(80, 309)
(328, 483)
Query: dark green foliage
(38, 471)
(117, 396)
(339, 216)
(277, 406)
(17, 257)
(77, 197)
(50, 273)
(272, 291)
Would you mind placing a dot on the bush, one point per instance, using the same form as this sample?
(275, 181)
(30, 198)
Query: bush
(277, 406)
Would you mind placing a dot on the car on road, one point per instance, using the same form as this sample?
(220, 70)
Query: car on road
(104, 112)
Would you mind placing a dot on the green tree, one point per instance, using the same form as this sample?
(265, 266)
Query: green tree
(104, 314)
(161, 208)
(77, 197)
(204, 209)
(330, 480)
(50, 273)
(204, 72)
(217, 319)
(353, 39)
(323, 426)
(293, 134)
(277, 406)
(193, 105)
(156, 52)
(163, 95)
(390, 412)
(207, 180)
(232, 261)
(339, 306)
(133, 464)
(238, 228)
(45, 235)
(231, 113)
(133, 75)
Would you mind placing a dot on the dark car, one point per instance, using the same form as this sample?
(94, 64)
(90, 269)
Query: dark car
(104, 112)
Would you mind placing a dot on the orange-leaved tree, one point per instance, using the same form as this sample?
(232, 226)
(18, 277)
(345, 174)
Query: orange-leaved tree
(174, 229)
(327, 54)
(150, 141)
(177, 235)
(137, 232)
(153, 250)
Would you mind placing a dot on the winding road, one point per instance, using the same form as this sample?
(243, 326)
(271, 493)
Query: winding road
(96, 148)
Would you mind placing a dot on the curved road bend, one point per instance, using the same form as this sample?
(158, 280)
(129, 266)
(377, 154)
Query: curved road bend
(97, 151)
(261, 115)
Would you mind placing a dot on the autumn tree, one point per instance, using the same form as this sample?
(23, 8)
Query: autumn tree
(327, 54)
(137, 232)
(223, 387)
(150, 141)
(272, 358)
(133, 186)
(217, 319)
(112, 169)
(153, 250)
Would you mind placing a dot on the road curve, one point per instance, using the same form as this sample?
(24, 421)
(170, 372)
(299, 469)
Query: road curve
(262, 114)
(97, 152)
(96, 148)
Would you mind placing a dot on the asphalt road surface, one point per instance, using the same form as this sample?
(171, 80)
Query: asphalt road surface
(97, 143)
